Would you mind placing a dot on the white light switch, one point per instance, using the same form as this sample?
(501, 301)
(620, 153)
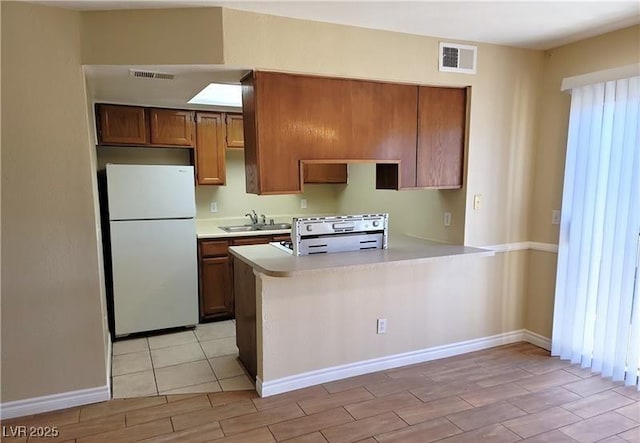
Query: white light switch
(303, 203)
(555, 217)
(447, 218)
(382, 326)
(214, 207)
(476, 201)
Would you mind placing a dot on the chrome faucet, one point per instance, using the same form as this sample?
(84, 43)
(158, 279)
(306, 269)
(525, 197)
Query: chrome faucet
(253, 217)
(263, 219)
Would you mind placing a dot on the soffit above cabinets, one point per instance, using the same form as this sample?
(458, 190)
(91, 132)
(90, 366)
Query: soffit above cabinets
(541, 24)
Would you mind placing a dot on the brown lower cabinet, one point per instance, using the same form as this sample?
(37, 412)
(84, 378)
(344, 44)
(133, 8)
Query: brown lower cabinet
(216, 274)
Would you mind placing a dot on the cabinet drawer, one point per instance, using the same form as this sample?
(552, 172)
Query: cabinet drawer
(250, 241)
(283, 237)
(214, 248)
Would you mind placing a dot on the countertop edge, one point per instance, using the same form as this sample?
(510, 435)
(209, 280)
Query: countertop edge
(236, 251)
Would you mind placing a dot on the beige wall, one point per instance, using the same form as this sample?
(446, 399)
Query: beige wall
(152, 37)
(415, 212)
(502, 120)
(328, 318)
(607, 51)
(52, 321)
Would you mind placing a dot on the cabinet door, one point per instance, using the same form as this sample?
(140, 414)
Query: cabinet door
(441, 135)
(122, 125)
(171, 127)
(235, 131)
(325, 173)
(216, 296)
(210, 160)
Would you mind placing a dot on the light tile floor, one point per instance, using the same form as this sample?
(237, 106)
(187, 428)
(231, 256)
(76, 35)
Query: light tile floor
(204, 359)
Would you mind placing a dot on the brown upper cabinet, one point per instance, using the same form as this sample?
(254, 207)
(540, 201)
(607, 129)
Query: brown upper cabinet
(441, 137)
(122, 125)
(234, 131)
(289, 118)
(140, 126)
(171, 127)
(210, 159)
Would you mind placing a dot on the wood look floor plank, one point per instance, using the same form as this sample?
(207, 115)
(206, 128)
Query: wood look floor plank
(433, 409)
(311, 406)
(546, 399)
(167, 410)
(310, 423)
(290, 397)
(380, 405)
(260, 435)
(355, 382)
(214, 414)
(197, 434)
(85, 428)
(130, 433)
(224, 398)
(425, 432)
(259, 419)
(490, 434)
(485, 415)
(365, 428)
(315, 437)
(119, 405)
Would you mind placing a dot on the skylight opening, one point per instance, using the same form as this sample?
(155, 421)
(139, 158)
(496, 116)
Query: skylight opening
(220, 95)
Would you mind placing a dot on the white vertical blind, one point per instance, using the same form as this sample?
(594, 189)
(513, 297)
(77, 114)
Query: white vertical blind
(597, 314)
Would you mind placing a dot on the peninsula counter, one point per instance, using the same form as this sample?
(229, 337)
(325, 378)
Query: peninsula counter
(309, 319)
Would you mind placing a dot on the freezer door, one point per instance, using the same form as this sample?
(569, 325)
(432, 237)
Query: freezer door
(155, 277)
(144, 192)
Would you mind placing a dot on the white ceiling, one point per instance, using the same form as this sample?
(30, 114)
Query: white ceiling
(530, 24)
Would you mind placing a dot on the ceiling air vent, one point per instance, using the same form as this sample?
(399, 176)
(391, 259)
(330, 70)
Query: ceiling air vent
(150, 74)
(458, 58)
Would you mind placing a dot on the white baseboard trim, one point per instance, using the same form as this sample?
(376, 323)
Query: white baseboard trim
(536, 339)
(293, 382)
(523, 246)
(53, 402)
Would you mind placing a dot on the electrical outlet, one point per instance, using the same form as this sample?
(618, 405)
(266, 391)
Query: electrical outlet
(447, 218)
(476, 201)
(303, 203)
(555, 217)
(382, 326)
(214, 207)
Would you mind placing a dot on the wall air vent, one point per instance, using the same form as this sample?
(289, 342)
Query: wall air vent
(458, 58)
(150, 74)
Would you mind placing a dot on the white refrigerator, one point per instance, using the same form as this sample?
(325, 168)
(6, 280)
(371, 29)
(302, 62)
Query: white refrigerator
(153, 246)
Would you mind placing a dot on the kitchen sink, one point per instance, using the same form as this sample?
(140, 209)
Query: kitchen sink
(242, 228)
(274, 227)
(247, 228)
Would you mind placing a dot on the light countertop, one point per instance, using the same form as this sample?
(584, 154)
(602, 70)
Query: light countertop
(210, 228)
(274, 262)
